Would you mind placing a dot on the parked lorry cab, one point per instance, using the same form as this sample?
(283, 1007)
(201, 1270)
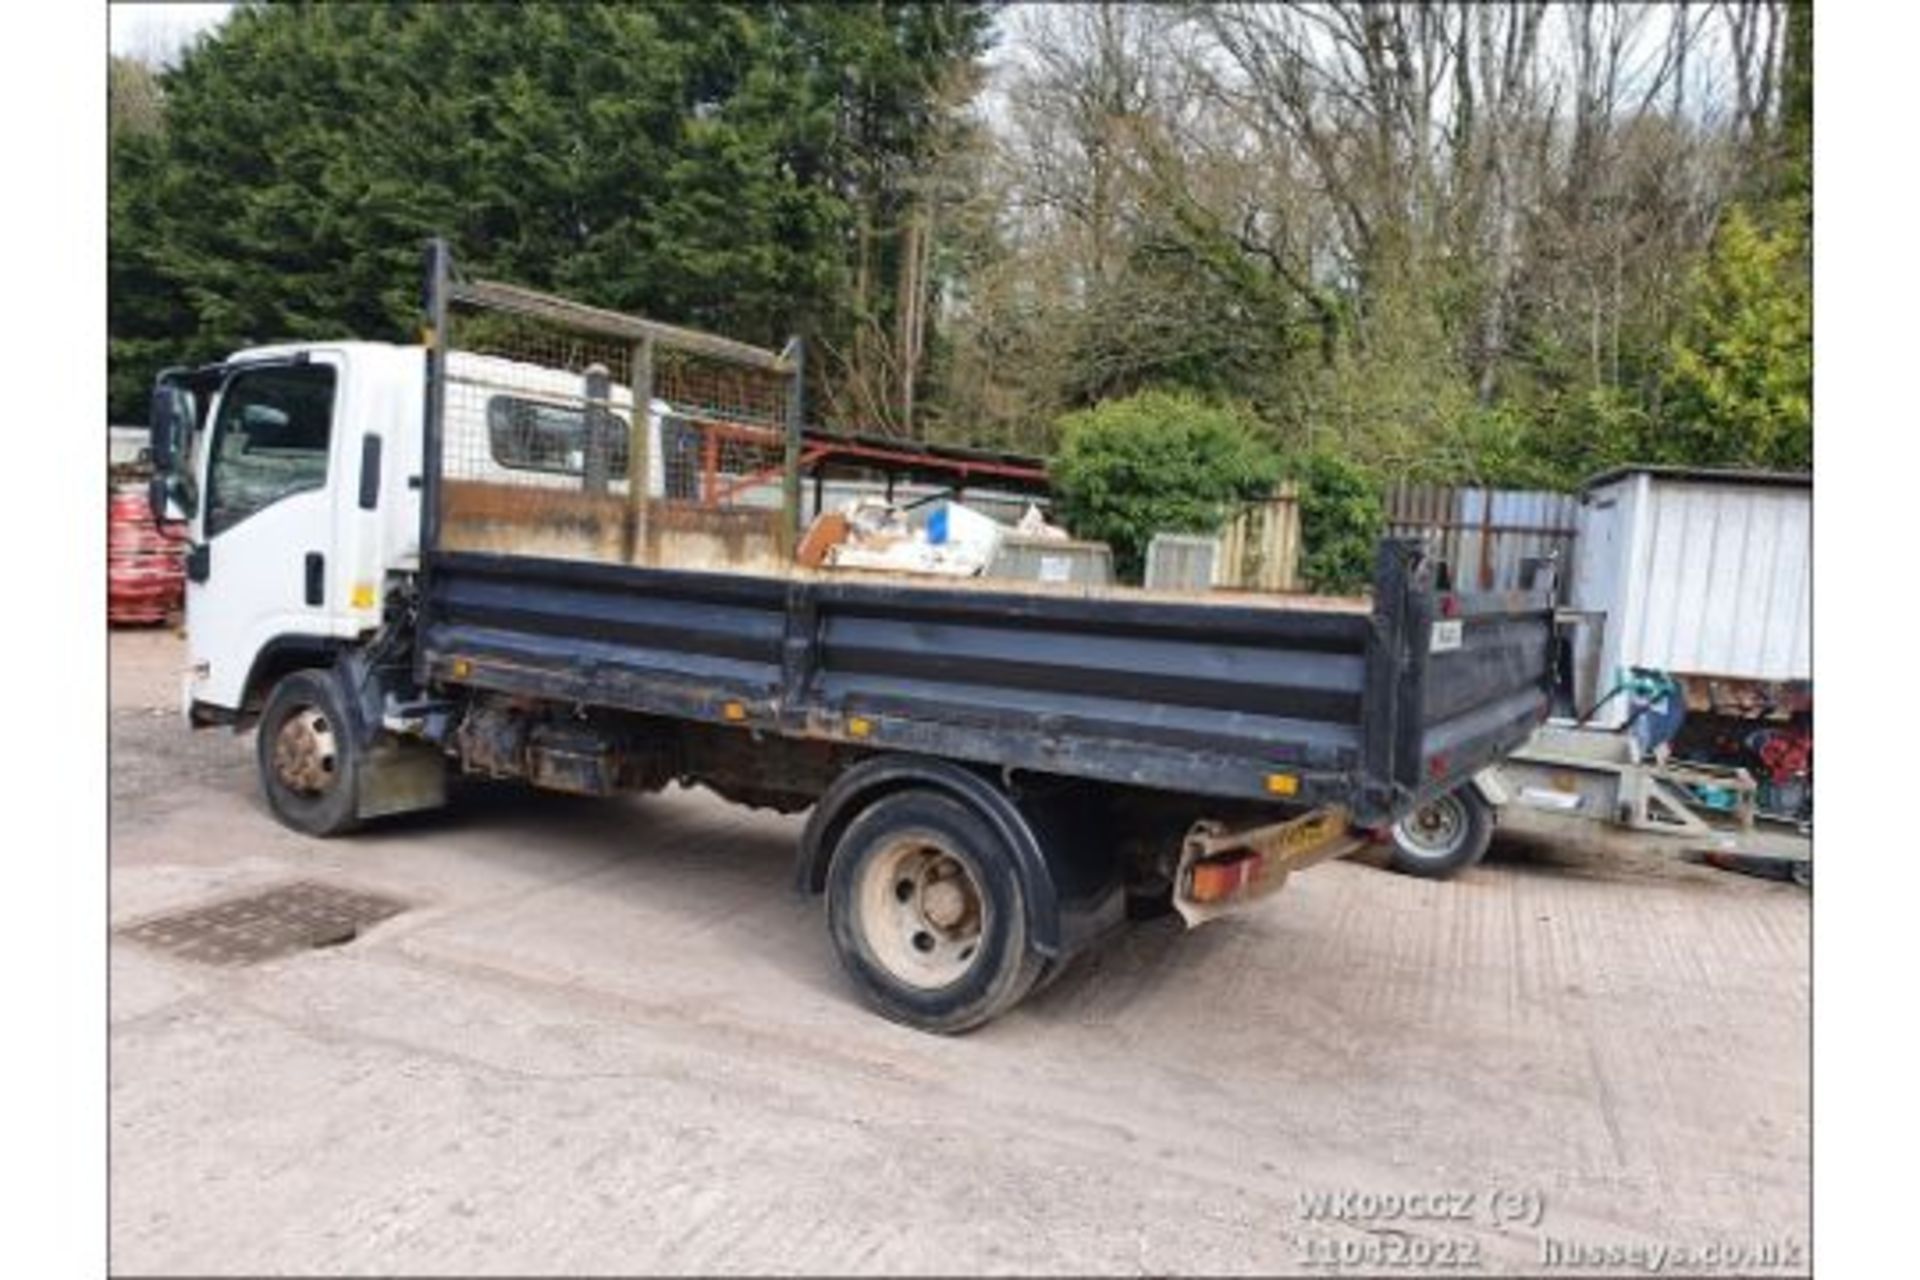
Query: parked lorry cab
(412, 561)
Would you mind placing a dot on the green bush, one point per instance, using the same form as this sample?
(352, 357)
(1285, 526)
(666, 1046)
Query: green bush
(1157, 462)
(1341, 521)
(1739, 389)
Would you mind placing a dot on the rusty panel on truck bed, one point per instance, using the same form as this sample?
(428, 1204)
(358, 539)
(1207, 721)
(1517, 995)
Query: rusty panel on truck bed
(515, 520)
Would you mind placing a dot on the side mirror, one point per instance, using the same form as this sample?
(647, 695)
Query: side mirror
(169, 426)
(169, 434)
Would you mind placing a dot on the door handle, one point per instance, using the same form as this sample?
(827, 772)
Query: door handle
(316, 578)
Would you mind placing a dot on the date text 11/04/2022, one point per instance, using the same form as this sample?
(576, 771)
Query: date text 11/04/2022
(1388, 1252)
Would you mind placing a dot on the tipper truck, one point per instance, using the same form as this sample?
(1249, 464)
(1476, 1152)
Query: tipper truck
(562, 545)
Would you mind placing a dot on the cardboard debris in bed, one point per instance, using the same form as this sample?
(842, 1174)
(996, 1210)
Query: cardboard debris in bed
(955, 540)
(1034, 525)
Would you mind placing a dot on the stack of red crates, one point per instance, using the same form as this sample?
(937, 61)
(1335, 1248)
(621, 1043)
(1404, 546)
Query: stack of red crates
(146, 578)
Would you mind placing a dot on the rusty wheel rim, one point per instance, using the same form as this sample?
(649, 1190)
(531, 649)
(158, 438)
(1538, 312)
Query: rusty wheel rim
(306, 756)
(922, 914)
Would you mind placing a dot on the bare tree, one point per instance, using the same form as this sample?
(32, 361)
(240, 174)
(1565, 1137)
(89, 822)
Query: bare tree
(1464, 195)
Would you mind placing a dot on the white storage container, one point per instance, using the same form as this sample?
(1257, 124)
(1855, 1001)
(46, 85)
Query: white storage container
(1698, 572)
(1182, 562)
(1053, 560)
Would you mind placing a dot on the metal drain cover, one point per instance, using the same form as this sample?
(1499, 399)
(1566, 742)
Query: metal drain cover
(261, 926)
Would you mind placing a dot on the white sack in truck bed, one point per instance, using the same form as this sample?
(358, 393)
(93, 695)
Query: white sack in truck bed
(957, 541)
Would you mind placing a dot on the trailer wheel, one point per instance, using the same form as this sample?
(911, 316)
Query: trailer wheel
(1444, 835)
(928, 915)
(309, 762)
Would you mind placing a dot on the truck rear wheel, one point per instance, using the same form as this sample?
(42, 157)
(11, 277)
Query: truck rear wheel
(1444, 835)
(928, 914)
(309, 761)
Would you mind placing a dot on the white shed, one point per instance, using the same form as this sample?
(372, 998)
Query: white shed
(1698, 572)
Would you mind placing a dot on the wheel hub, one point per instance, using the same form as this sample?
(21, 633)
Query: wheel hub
(305, 753)
(943, 903)
(921, 912)
(1434, 827)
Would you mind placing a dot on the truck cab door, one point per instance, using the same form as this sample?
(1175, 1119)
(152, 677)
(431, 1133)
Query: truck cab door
(265, 529)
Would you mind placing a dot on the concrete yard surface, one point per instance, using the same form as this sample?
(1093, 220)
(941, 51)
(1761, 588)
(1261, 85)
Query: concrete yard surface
(608, 1036)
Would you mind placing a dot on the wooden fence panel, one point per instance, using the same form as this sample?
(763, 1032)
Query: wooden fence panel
(1260, 547)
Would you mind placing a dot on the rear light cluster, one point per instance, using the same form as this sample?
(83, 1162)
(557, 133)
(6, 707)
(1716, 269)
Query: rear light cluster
(1217, 880)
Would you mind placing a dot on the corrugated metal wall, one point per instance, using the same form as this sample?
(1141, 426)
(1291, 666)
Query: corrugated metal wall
(1720, 581)
(1485, 534)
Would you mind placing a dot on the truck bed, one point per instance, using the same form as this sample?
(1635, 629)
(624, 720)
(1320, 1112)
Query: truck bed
(1303, 702)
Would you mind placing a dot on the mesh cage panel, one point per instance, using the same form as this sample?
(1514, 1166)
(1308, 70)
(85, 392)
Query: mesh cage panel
(542, 451)
(723, 443)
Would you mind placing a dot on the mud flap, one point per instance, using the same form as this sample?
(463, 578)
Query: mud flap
(400, 776)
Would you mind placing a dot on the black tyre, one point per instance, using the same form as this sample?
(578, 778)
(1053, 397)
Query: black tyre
(1444, 835)
(928, 914)
(309, 762)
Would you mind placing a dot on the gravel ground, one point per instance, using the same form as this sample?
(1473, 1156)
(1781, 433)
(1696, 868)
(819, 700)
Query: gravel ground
(607, 1036)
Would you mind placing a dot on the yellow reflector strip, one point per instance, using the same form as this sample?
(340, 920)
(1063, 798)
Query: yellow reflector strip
(1283, 784)
(363, 595)
(734, 711)
(462, 668)
(859, 726)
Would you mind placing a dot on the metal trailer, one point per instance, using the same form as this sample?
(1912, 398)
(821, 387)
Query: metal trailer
(995, 771)
(1595, 788)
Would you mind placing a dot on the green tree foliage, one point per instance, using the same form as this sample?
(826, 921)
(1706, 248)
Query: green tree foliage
(1157, 462)
(150, 310)
(1454, 243)
(1341, 521)
(1173, 461)
(706, 164)
(1740, 390)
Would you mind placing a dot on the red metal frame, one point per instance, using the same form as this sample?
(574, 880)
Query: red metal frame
(964, 469)
(816, 452)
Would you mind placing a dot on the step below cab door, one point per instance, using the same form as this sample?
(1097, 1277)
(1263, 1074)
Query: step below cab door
(271, 467)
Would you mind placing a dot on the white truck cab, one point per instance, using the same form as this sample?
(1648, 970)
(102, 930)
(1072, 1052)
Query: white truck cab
(302, 497)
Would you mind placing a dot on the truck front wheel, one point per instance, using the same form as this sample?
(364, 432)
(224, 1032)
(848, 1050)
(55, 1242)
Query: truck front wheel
(928, 915)
(309, 761)
(1444, 835)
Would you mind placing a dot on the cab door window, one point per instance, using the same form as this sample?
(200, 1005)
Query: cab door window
(269, 440)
